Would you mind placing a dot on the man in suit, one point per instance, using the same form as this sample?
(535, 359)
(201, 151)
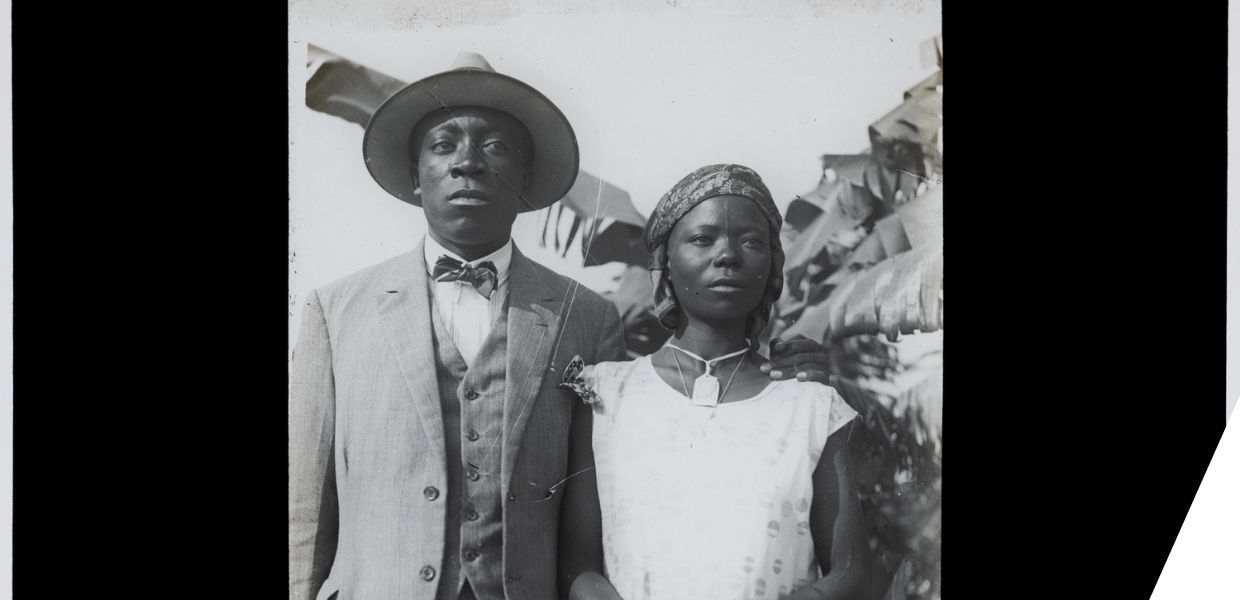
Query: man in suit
(427, 437)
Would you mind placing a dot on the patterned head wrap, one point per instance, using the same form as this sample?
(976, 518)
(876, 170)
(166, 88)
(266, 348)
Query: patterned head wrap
(696, 187)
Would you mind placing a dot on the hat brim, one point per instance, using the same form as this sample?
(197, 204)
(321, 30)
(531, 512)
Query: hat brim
(385, 145)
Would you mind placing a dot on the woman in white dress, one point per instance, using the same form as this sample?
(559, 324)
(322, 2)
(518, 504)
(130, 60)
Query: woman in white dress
(696, 476)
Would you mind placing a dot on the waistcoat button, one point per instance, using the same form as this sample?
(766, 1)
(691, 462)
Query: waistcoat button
(472, 475)
(471, 554)
(470, 394)
(471, 435)
(428, 573)
(431, 493)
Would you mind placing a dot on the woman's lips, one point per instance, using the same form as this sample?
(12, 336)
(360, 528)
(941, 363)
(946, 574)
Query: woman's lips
(726, 285)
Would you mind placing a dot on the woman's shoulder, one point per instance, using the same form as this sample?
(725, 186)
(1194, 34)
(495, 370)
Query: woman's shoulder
(824, 401)
(612, 369)
(809, 390)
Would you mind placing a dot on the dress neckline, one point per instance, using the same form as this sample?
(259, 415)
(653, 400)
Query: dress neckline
(649, 363)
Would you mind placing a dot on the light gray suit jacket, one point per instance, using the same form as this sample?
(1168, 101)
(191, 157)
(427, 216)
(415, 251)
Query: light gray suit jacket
(366, 440)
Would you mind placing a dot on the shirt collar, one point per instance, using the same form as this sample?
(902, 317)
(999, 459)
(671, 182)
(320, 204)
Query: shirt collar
(501, 258)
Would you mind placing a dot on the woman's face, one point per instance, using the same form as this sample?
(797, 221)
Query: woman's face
(719, 259)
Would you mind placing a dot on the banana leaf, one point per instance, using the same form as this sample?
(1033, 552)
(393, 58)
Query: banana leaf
(901, 294)
(905, 145)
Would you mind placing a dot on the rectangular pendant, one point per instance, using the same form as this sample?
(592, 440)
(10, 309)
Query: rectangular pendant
(706, 391)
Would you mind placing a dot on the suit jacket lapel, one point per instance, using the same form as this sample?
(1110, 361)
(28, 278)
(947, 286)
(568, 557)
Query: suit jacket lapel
(533, 324)
(404, 309)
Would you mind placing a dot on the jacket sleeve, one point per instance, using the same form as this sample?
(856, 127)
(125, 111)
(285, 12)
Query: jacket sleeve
(312, 511)
(612, 346)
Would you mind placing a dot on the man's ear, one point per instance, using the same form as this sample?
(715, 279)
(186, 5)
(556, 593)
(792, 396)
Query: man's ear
(413, 176)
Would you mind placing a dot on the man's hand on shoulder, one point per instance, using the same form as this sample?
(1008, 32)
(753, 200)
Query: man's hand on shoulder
(798, 357)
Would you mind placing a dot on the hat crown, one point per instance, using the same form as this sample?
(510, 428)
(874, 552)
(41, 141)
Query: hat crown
(471, 60)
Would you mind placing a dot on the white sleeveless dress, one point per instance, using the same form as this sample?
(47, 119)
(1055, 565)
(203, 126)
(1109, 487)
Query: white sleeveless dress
(702, 502)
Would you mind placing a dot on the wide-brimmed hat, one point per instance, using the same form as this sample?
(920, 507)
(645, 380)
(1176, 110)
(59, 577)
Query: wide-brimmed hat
(471, 82)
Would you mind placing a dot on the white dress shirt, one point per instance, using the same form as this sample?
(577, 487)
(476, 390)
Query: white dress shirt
(464, 311)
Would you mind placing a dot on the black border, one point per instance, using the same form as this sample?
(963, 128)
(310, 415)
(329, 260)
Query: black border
(150, 211)
(1086, 253)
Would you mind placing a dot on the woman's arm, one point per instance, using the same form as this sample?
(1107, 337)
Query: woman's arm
(838, 527)
(581, 527)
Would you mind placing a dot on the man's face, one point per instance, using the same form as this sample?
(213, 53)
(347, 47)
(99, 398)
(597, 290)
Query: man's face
(472, 167)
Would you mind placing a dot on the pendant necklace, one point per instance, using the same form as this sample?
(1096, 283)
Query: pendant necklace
(706, 387)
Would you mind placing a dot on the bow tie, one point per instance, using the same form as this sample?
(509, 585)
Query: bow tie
(484, 277)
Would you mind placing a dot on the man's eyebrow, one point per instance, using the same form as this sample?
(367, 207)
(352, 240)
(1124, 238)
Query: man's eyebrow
(504, 130)
(449, 126)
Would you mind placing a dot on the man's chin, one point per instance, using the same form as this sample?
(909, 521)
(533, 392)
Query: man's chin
(466, 234)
